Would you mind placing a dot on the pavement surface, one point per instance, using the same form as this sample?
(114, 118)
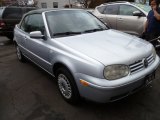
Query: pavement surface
(29, 93)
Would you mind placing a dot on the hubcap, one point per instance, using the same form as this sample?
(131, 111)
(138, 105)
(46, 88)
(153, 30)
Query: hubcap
(18, 53)
(64, 86)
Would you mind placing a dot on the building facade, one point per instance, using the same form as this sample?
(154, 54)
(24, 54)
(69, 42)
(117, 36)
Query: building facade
(18, 2)
(55, 3)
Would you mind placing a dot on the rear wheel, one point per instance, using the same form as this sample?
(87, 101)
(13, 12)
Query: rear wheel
(67, 86)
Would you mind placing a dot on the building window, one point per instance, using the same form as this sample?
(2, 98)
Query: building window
(55, 4)
(44, 5)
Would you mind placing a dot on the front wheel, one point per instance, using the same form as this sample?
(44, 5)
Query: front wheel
(67, 86)
(19, 54)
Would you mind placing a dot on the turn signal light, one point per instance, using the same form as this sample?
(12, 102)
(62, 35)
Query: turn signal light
(84, 83)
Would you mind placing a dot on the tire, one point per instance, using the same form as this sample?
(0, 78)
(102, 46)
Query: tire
(19, 54)
(67, 86)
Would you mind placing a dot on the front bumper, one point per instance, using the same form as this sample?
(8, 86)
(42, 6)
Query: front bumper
(102, 90)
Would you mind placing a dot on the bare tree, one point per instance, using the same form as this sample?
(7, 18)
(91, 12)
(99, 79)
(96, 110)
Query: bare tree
(27, 2)
(142, 1)
(85, 3)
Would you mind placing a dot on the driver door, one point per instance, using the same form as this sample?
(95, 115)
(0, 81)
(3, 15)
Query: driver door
(38, 50)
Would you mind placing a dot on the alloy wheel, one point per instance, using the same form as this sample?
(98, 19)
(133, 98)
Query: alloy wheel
(64, 86)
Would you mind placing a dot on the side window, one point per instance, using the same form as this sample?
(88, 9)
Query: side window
(127, 10)
(23, 25)
(33, 23)
(13, 13)
(111, 9)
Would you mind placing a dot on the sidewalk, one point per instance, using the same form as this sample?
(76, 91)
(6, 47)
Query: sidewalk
(4, 40)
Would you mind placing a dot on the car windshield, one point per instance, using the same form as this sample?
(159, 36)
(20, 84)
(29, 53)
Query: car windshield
(72, 22)
(146, 8)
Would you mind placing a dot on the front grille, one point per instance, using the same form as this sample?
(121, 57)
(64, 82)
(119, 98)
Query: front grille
(150, 59)
(139, 65)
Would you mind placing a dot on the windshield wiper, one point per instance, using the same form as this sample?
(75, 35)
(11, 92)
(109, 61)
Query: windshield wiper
(94, 30)
(66, 33)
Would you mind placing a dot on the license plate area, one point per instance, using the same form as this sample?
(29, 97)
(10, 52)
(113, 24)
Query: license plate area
(149, 78)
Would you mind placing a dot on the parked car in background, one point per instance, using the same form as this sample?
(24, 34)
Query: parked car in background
(87, 58)
(124, 16)
(89, 10)
(9, 17)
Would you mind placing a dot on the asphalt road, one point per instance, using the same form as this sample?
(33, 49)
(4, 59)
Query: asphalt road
(29, 93)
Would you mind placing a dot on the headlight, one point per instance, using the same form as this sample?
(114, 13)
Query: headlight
(154, 52)
(113, 72)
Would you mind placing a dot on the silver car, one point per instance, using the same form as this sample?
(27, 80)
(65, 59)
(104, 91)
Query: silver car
(88, 59)
(124, 16)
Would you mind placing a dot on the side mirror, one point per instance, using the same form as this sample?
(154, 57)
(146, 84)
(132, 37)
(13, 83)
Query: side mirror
(36, 35)
(137, 13)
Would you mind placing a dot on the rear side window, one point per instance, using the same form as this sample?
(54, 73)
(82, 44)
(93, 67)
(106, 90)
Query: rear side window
(12, 13)
(101, 9)
(111, 9)
(127, 10)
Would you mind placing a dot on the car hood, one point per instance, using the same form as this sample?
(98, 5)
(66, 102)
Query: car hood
(109, 46)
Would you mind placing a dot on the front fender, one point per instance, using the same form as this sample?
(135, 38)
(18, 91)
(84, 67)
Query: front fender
(79, 65)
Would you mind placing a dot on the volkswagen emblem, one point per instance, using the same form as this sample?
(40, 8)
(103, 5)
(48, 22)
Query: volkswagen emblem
(145, 62)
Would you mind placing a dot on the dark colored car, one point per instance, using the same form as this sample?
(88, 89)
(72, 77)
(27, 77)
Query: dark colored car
(9, 17)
